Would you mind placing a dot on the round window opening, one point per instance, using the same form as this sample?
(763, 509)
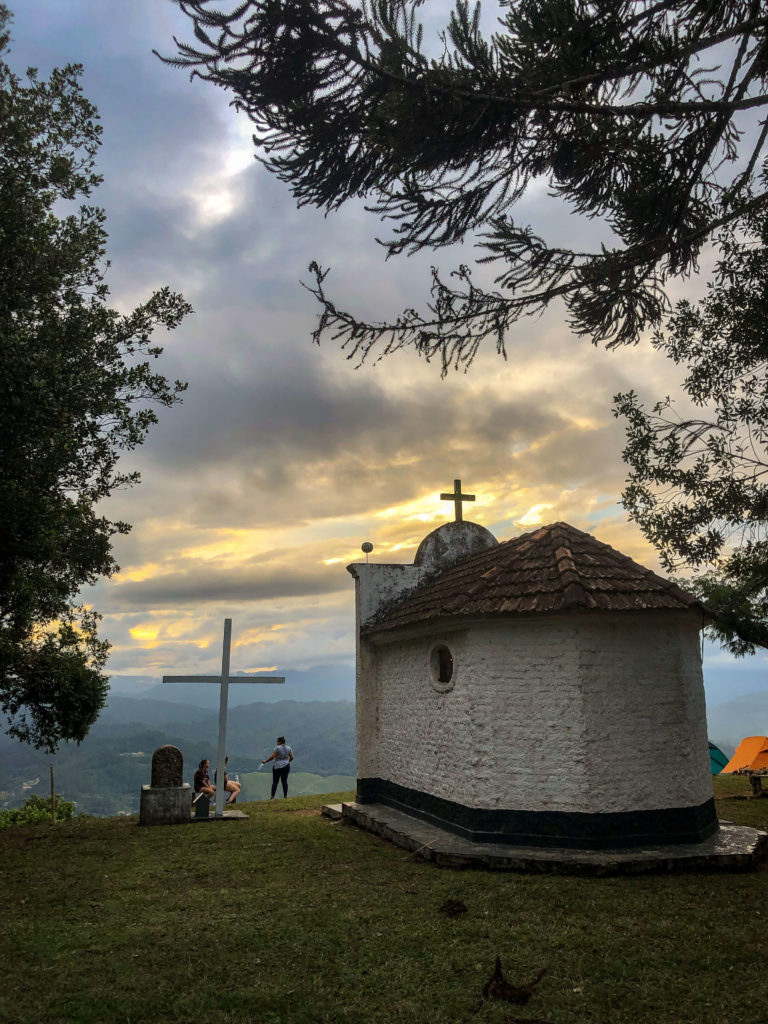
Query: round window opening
(441, 667)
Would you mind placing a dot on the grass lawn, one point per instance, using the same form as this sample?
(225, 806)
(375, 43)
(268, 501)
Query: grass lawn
(288, 917)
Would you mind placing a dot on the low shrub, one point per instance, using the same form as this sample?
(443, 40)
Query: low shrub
(37, 809)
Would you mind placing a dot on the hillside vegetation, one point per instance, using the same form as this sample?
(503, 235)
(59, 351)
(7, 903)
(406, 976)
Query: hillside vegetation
(288, 917)
(104, 775)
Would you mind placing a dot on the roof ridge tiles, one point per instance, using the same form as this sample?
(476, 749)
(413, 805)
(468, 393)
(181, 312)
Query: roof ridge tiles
(574, 591)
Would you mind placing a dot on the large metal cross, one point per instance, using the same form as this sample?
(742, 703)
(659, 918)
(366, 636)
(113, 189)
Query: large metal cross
(223, 680)
(456, 497)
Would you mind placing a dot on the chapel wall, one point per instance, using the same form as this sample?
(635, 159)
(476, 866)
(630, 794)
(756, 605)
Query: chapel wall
(530, 700)
(507, 735)
(425, 737)
(368, 712)
(644, 711)
(377, 586)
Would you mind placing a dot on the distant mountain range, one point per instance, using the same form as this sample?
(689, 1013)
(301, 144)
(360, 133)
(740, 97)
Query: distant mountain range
(104, 775)
(320, 683)
(732, 720)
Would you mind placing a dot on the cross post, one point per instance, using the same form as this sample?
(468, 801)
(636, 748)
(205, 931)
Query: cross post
(457, 497)
(223, 680)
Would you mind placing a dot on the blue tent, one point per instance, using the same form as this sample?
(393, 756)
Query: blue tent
(717, 759)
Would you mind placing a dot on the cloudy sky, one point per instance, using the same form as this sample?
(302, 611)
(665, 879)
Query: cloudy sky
(259, 489)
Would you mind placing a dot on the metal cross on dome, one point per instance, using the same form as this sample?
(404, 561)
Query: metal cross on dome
(457, 497)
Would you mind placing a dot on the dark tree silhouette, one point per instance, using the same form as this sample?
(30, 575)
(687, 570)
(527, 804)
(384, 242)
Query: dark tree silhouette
(698, 483)
(75, 389)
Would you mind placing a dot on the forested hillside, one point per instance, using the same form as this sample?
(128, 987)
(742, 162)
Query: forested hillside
(104, 775)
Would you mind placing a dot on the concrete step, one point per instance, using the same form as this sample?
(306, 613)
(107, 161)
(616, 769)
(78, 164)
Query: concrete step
(332, 811)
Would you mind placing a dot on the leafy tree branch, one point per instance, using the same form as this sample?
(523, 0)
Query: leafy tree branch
(698, 484)
(77, 389)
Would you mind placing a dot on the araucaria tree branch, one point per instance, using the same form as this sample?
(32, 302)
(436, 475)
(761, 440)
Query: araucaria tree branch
(628, 108)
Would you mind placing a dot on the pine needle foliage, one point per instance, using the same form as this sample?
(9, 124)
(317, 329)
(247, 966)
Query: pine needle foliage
(632, 111)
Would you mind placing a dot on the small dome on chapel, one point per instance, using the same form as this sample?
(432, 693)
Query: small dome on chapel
(452, 542)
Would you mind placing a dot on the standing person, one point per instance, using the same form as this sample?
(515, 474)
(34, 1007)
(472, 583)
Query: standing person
(202, 783)
(282, 755)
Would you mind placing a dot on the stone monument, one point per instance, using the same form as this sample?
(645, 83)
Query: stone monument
(167, 800)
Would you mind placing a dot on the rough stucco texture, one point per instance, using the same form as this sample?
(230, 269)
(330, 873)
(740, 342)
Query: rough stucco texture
(379, 586)
(583, 713)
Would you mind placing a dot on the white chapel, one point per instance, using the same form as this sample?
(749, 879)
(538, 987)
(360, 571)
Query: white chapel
(544, 691)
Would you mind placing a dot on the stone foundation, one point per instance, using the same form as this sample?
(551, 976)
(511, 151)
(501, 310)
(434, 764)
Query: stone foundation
(731, 848)
(165, 805)
(577, 830)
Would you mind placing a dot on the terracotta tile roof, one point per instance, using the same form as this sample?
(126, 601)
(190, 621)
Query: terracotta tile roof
(555, 568)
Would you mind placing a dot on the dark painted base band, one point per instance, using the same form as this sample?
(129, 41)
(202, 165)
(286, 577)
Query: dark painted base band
(561, 829)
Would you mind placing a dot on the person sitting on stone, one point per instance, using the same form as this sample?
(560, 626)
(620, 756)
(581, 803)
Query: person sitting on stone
(231, 786)
(202, 783)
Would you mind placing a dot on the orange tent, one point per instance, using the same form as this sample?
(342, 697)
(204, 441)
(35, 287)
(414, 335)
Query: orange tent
(751, 754)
